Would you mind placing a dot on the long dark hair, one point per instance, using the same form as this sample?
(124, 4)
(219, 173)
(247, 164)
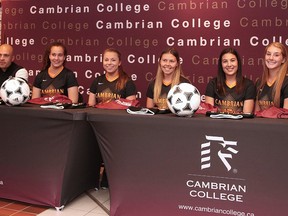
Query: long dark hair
(123, 76)
(46, 60)
(221, 78)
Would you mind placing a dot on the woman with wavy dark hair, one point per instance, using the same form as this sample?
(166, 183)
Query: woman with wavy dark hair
(55, 78)
(230, 91)
(114, 84)
(272, 87)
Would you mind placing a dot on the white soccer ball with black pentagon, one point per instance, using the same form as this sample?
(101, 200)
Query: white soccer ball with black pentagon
(183, 99)
(15, 91)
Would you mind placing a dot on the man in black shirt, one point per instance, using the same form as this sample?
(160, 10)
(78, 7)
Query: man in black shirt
(8, 67)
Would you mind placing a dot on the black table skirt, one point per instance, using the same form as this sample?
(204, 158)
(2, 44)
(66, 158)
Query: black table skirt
(169, 165)
(47, 157)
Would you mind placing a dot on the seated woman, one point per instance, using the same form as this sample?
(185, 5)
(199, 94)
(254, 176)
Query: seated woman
(169, 73)
(55, 78)
(272, 88)
(114, 84)
(231, 92)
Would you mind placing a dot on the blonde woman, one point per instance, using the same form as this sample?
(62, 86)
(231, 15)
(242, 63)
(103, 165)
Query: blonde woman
(169, 73)
(272, 87)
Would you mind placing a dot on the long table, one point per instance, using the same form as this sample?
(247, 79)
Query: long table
(47, 157)
(169, 165)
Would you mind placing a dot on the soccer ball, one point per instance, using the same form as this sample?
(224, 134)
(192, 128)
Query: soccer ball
(15, 91)
(183, 99)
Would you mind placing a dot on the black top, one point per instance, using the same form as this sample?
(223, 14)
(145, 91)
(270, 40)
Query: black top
(106, 91)
(11, 71)
(57, 85)
(162, 103)
(265, 99)
(232, 101)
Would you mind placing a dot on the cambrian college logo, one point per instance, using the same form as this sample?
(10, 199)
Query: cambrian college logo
(224, 156)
